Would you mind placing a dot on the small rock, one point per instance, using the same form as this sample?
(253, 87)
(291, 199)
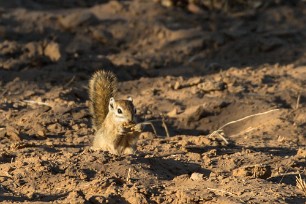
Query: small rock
(177, 85)
(75, 19)
(211, 86)
(197, 176)
(301, 153)
(167, 3)
(52, 51)
(41, 133)
(173, 113)
(13, 133)
(76, 127)
(195, 113)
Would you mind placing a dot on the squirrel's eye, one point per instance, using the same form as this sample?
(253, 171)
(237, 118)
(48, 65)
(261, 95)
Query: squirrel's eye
(119, 111)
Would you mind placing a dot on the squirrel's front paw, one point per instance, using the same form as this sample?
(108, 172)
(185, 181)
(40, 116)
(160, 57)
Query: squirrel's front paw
(123, 130)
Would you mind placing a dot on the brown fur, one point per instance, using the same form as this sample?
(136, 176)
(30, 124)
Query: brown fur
(118, 135)
(102, 86)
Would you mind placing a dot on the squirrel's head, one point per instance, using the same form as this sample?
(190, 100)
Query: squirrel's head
(123, 110)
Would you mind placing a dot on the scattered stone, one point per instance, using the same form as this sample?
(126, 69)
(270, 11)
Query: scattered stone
(211, 86)
(76, 127)
(41, 133)
(301, 153)
(194, 113)
(13, 133)
(75, 19)
(175, 112)
(177, 85)
(52, 50)
(197, 176)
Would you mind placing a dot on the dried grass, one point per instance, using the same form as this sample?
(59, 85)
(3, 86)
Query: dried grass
(149, 122)
(301, 184)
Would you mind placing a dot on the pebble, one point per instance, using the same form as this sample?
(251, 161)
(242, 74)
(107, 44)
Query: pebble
(197, 176)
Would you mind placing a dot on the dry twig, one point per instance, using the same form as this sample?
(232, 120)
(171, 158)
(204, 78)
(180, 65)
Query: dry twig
(249, 129)
(151, 124)
(37, 102)
(220, 132)
(70, 81)
(165, 127)
(298, 101)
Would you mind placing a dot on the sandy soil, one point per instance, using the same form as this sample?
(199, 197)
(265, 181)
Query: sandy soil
(196, 67)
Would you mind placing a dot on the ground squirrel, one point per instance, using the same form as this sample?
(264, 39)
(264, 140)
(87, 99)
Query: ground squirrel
(113, 120)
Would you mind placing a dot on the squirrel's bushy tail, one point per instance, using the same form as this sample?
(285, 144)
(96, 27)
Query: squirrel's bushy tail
(102, 86)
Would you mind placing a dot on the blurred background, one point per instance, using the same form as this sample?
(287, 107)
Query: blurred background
(149, 38)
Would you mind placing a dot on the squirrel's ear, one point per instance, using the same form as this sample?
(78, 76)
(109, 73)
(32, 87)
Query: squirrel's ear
(111, 102)
(130, 98)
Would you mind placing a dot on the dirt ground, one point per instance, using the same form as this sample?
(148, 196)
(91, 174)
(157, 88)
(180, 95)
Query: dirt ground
(195, 66)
